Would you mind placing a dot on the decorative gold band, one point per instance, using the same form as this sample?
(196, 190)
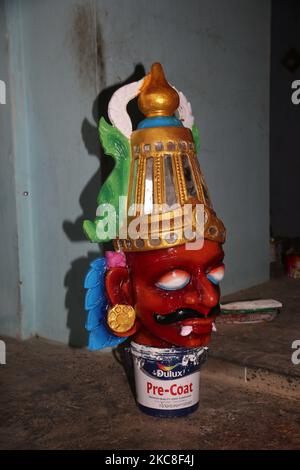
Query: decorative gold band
(156, 234)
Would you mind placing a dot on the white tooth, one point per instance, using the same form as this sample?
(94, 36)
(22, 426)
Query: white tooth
(186, 330)
(214, 328)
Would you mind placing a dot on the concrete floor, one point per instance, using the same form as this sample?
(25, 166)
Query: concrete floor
(55, 397)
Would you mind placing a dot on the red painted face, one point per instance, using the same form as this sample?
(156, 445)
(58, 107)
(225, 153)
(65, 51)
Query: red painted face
(176, 294)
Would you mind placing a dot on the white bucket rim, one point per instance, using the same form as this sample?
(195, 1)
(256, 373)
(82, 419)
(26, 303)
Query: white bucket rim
(154, 353)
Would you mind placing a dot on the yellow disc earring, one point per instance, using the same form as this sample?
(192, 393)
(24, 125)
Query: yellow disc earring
(121, 318)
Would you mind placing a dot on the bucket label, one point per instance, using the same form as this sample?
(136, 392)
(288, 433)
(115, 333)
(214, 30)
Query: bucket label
(166, 387)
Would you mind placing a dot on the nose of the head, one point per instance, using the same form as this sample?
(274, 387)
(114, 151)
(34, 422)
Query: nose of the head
(204, 293)
(191, 298)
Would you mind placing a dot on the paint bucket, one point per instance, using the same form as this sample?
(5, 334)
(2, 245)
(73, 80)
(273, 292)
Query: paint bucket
(167, 379)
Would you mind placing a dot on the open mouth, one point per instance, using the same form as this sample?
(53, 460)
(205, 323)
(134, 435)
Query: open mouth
(189, 321)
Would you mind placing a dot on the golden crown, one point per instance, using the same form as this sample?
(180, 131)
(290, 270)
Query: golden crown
(165, 173)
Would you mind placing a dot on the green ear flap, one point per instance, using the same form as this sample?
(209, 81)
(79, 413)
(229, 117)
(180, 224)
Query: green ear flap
(196, 137)
(116, 145)
(89, 229)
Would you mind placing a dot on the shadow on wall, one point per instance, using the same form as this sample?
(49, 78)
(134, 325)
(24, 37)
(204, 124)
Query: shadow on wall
(74, 300)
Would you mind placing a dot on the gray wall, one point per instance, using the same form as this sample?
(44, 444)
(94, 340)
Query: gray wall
(216, 51)
(284, 123)
(9, 266)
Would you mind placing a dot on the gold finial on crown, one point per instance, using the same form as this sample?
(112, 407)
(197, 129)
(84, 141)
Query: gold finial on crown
(157, 97)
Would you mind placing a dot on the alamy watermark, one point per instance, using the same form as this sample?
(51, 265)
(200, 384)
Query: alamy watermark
(2, 92)
(140, 222)
(296, 354)
(2, 352)
(296, 94)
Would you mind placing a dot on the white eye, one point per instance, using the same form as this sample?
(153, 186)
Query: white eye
(216, 275)
(173, 280)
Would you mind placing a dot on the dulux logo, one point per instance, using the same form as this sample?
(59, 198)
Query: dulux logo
(167, 371)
